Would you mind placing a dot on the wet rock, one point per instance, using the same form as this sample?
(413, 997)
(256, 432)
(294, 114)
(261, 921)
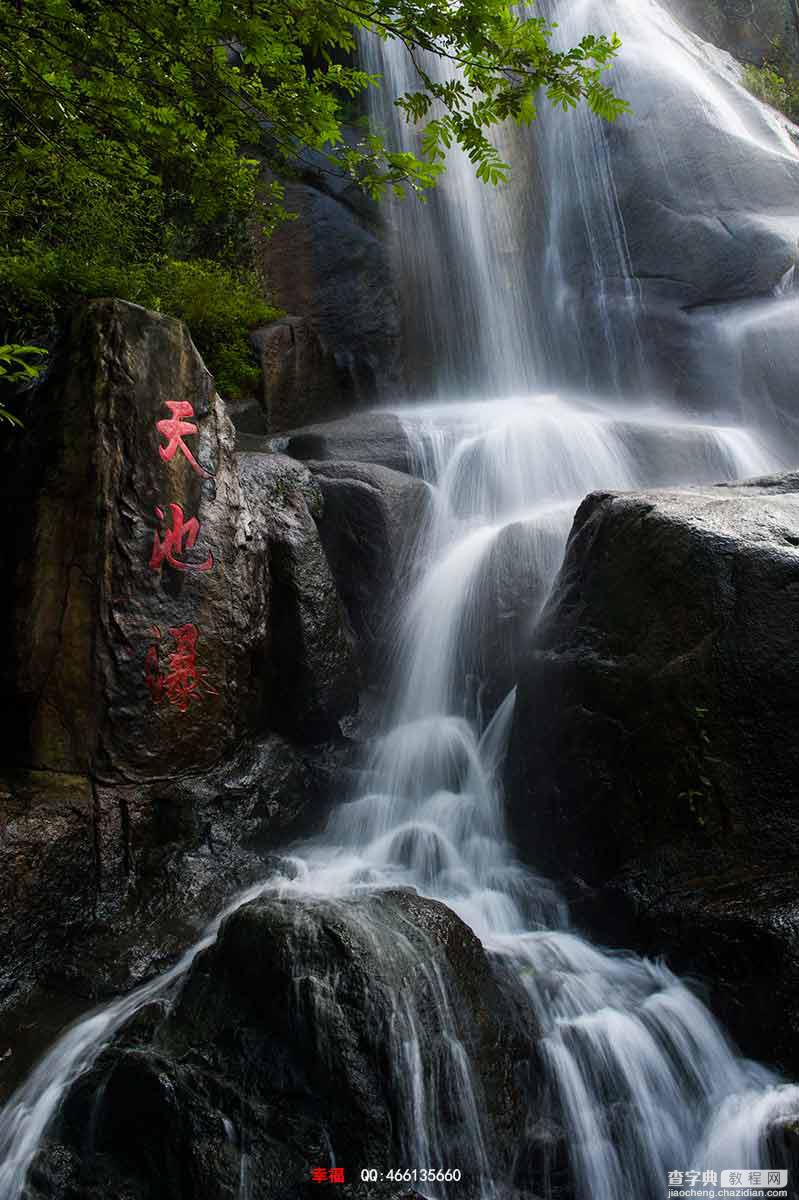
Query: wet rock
(675, 455)
(301, 380)
(95, 677)
(101, 685)
(248, 417)
(292, 1047)
(654, 750)
(131, 678)
(331, 267)
(372, 437)
(372, 519)
(49, 863)
(781, 483)
(749, 35)
(133, 871)
(94, 601)
(310, 676)
(511, 585)
(732, 928)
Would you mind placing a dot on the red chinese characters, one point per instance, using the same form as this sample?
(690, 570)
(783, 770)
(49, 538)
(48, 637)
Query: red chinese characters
(184, 678)
(174, 429)
(327, 1174)
(181, 537)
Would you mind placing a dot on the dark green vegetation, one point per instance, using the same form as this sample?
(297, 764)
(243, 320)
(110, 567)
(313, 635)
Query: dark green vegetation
(18, 364)
(140, 142)
(763, 36)
(776, 84)
(220, 304)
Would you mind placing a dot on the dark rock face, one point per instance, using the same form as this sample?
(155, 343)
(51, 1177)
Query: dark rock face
(510, 588)
(145, 649)
(172, 855)
(372, 437)
(310, 675)
(95, 622)
(330, 266)
(747, 31)
(372, 518)
(100, 580)
(280, 1057)
(47, 850)
(654, 747)
(301, 380)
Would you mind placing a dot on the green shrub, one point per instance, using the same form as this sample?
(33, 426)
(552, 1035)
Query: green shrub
(220, 307)
(40, 284)
(781, 92)
(18, 365)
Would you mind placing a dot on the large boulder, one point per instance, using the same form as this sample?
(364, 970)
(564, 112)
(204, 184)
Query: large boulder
(370, 437)
(502, 582)
(330, 266)
(132, 871)
(132, 636)
(371, 521)
(510, 586)
(301, 380)
(310, 677)
(164, 603)
(314, 1033)
(138, 593)
(654, 752)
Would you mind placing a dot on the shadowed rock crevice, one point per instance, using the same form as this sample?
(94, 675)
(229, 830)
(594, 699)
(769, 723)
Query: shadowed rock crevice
(372, 519)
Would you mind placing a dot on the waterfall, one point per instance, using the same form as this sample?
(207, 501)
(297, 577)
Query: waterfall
(535, 339)
(658, 230)
(460, 257)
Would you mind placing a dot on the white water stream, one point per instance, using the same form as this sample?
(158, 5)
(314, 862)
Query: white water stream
(641, 1075)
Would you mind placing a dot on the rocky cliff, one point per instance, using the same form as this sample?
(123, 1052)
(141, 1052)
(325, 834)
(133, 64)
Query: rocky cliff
(654, 761)
(339, 347)
(179, 654)
(750, 31)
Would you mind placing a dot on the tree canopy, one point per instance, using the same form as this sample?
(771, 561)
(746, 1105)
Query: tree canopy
(135, 130)
(169, 95)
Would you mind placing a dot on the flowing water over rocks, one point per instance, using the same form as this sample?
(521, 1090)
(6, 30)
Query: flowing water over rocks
(640, 1076)
(633, 1078)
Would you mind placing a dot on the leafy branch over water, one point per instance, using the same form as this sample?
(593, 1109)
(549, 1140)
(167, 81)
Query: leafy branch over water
(141, 133)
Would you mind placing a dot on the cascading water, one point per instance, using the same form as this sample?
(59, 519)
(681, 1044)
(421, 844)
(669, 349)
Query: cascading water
(659, 234)
(641, 1077)
(460, 259)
